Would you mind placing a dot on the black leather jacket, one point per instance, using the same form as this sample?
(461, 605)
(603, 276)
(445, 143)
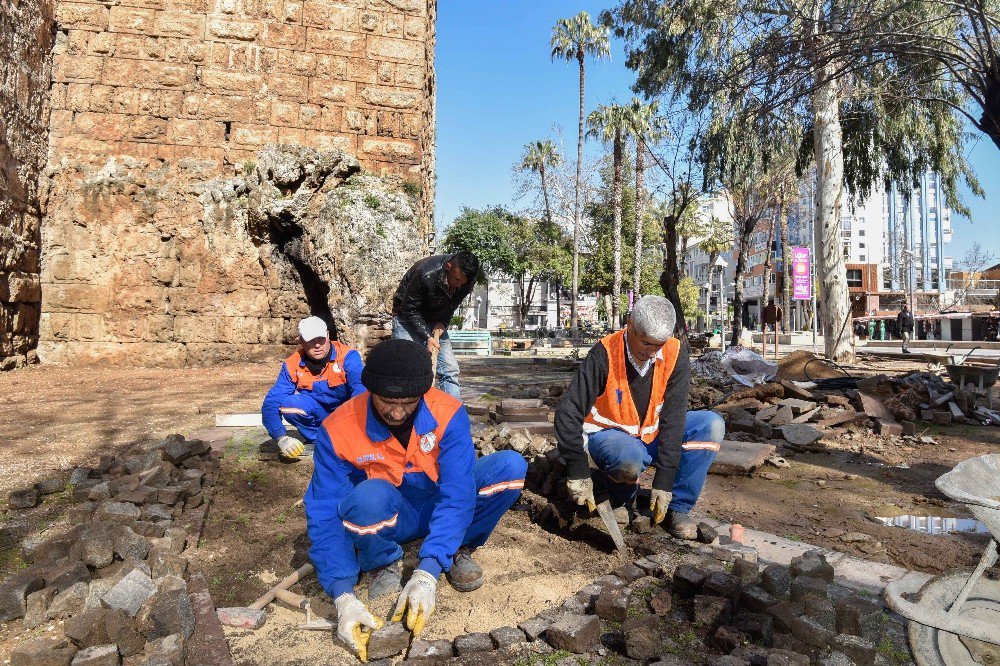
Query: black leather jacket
(422, 299)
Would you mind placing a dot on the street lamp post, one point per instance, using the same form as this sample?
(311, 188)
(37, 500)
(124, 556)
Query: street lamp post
(721, 264)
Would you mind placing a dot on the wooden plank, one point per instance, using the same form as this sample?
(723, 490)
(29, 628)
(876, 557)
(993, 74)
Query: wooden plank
(238, 420)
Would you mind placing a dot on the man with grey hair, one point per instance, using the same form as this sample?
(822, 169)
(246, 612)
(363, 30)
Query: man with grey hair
(627, 408)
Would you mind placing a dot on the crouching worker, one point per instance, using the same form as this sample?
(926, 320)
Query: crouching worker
(394, 465)
(627, 408)
(319, 377)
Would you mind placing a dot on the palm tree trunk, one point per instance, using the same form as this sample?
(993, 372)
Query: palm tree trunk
(640, 208)
(616, 205)
(545, 194)
(574, 318)
(828, 139)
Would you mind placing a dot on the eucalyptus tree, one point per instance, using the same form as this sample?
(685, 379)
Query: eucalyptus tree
(574, 39)
(610, 124)
(644, 126)
(873, 113)
(539, 157)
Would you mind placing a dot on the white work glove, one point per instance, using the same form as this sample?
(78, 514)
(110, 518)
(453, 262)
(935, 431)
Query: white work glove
(355, 624)
(417, 600)
(658, 503)
(290, 447)
(582, 492)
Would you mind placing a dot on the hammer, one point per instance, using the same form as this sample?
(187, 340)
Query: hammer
(252, 616)
(434, 357)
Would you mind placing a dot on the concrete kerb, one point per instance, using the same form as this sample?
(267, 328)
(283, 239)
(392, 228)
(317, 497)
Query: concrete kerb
(853, 572)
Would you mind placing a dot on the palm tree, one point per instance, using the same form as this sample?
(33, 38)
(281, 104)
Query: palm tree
(611, 124)
(538, 157)
(574, 39)
(644, 127)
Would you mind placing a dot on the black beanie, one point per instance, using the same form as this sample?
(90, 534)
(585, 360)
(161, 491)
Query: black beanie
(398, 369)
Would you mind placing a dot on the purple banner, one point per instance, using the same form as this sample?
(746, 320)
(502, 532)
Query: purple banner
(801, 280)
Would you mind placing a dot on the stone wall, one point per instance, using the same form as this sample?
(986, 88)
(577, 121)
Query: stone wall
(25, 41)
(158, 106)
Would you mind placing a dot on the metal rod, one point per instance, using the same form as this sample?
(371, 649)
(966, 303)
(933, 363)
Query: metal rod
(989, 559)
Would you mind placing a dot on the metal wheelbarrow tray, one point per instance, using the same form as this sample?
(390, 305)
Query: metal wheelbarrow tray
(982, 376)
(955, 620)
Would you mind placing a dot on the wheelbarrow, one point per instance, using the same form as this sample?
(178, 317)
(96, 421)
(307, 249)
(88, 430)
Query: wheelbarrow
(955, 617)
(938, 360)
(981, 376)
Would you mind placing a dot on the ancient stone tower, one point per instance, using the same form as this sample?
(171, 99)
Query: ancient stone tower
(120, 120)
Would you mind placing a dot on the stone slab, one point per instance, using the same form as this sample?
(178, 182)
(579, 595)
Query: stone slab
(740, 458)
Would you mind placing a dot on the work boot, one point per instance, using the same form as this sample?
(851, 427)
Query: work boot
(681, 526)
(465, 575)
(385, 580)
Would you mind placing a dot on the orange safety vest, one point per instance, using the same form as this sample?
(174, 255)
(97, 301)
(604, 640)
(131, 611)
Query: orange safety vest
(614, 408)
(333, 373)
(388, 459)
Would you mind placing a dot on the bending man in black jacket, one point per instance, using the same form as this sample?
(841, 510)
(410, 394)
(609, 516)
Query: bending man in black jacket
(426, 300)
(627, 408)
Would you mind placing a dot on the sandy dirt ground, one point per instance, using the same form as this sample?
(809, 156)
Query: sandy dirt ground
(53, 419)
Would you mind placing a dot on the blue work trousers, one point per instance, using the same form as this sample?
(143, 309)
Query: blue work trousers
(447, 364)
(303, 412)
(379, 518)
(623, 458)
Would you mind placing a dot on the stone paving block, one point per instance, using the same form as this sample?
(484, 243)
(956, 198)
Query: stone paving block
(661, 602)
(746, 571)
(98, 655)
(26, 498)
(834, 658)
(51, 486)
(48, 651)
(727, 660)
(707, 533)
(425, 651)
(756, 599)
(15, 589)
(67, 573)
(723, 584)
(67, 603)
(506, 636)
(167, 650)
(168, 611)
(822, 611)
(575, 633)
(474, 643)
(792, 644)
(776, 581)
(88, 629)
(688, 581)
(758, 626)
(737, 458)
(40, 550)
(629, 572)
(130, 593)
(534, 627)
(804, 586)
(643, 637)
(861, 650)
(612, 604)
(811, 632)
(711, 611)
(36, 605)
(726, 639)
(859, 616)
(122, 631)
(812, 564)
(730, 552)
(93, 546)
(779, 657)
(784, 613)
(388, 641)
(801, 434)
(122, 512)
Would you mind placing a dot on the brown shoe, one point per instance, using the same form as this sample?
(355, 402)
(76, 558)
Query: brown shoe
(681, 526)
(465, 575)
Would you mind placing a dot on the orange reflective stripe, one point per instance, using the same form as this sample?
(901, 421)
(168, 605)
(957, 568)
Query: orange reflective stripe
(707, 446)
(292, 410)
(495, 488)
(371, 529)
(614, 408)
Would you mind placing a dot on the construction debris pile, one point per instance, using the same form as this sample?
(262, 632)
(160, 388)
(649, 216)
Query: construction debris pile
(116, 574)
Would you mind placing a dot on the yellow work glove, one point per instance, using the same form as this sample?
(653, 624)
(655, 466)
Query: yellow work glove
(582, 492)
(417, 600)
(290, 447)
(355, 623)
(658, 503)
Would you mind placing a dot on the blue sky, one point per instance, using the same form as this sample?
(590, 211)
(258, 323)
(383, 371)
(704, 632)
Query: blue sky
(498, 89)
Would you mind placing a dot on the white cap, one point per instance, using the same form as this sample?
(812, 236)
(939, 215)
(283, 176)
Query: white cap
(311, 328)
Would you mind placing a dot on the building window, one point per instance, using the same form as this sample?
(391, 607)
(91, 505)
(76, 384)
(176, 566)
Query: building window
(854, 277)
(863, 259)
(861, 232)
(861, 246)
